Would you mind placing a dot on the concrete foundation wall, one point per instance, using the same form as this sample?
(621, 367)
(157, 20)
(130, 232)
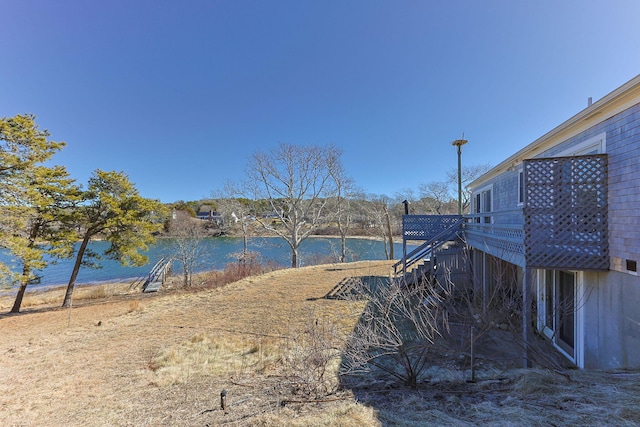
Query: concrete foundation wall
(611, 320)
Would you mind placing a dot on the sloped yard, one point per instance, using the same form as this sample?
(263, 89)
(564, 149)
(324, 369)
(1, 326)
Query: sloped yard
(273, 344)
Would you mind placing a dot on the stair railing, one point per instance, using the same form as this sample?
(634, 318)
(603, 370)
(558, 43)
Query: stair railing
(427, 247)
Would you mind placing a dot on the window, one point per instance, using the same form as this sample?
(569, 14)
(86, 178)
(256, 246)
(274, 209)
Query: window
(483, 203)
(486, 196)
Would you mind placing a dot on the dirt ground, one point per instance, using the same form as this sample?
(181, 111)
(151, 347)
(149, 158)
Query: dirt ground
(164, 359)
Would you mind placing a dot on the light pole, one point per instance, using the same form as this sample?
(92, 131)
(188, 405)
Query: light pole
(459, 143)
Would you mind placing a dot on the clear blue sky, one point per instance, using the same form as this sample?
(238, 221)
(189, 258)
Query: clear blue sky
(179, 94)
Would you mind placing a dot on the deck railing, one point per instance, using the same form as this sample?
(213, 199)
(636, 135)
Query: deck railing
(563, 222)
(514, 237)
(500, 234)
(425, 227)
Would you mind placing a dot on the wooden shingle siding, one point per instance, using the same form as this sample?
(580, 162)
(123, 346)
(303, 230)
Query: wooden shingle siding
(623, 147)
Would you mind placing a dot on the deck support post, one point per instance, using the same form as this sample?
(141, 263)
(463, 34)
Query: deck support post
(527, 282)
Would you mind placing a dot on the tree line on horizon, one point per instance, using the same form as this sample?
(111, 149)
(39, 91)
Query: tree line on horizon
(44, 213)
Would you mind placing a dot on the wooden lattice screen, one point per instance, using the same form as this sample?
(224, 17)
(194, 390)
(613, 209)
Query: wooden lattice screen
(565, 213)
(425, 227)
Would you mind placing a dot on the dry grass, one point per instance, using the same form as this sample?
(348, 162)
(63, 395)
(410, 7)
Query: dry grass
(55, 296)
(163, 359)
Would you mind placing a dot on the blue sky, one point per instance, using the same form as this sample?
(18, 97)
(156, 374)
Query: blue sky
(180, 94)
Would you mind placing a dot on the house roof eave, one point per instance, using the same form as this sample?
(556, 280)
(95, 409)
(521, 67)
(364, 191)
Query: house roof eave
(613, 103)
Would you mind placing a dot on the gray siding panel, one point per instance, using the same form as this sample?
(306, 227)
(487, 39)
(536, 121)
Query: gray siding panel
(623, 147)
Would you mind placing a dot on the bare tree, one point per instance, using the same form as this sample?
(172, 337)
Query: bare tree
(238, 213)
(187, 235)
(439, 194)
(296, 182)
(415, 205)
(343, 211)
(378, 210)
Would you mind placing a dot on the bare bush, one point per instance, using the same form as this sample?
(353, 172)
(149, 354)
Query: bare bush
(499, 306)
(234, 271)
(308, 357)
(399, 325)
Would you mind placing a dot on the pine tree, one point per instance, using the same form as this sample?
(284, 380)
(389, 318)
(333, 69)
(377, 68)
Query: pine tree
(113, 210)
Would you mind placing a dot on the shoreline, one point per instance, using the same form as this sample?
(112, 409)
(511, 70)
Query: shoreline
(36, 289)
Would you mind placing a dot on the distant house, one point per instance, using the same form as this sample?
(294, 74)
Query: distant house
(206, 213)
(564, 213)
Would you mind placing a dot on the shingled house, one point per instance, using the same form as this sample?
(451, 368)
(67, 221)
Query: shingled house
(564, 212)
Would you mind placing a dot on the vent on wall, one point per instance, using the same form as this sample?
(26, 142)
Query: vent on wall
(632, 265)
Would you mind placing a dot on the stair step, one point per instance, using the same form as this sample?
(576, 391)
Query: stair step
(153, 286)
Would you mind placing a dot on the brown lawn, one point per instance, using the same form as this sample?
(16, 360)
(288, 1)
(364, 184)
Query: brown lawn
(163, 359)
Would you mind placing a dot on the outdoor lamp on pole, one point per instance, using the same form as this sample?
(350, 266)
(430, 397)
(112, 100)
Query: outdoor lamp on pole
(459, 143)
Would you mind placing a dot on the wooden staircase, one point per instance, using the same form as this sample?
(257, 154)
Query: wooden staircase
(421, 262)
(157, 276)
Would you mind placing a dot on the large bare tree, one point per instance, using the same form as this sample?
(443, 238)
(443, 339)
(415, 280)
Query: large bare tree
(297, 182)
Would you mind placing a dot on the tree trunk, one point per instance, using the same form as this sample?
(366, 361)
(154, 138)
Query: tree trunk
(25, 275)
(389, 235)
(76, 269)
(185, 271)
(245, 245)
(23, 289)
(18, 302)
(343, 242)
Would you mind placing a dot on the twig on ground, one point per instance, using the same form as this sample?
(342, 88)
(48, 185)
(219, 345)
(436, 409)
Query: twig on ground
(335, 399)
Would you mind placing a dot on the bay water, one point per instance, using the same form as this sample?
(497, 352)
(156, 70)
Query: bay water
(216, 253)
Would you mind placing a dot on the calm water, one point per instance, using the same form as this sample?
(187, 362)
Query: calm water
(216, 254)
